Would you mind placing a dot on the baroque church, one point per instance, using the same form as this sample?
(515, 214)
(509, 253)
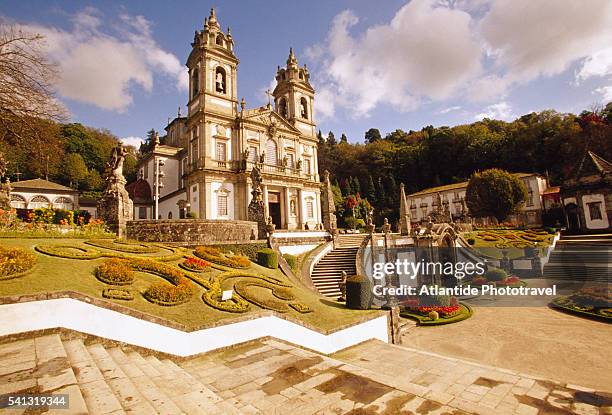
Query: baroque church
(203, 166)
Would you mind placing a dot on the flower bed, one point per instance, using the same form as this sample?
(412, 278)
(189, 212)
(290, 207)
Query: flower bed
(455, 314)
(509, 238)
(593, 302)
(194, 264)
(215, 255)
(15, 262)
(115, 272)
(161, 293)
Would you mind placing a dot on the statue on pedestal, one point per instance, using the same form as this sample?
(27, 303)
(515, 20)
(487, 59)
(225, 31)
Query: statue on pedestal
(116, 208)
(256, 209)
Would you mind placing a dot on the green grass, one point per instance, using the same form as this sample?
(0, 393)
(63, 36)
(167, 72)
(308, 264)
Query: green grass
(466, 312)
(58, 274)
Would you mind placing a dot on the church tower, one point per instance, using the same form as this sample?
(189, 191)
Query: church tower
(213, 70)
(294, 96)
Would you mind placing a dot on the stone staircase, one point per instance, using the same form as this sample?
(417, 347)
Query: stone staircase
(581, 258)
(327, 273)
(271, 377)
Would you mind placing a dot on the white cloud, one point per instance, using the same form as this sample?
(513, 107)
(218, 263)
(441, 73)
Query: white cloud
(527, 39)
(424, 52)
(132, 141)
(449, 109)
(100, 67)
(499, 111)
(606, 93)
(433, 50)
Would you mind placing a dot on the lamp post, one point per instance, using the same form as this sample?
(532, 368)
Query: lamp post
(159, 175)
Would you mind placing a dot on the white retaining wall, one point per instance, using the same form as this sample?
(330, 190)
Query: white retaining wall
(87, 318)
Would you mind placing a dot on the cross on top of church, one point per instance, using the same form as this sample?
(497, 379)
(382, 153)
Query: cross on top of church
(269, 94)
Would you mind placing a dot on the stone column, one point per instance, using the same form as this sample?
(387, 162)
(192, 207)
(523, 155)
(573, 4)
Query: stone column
(300, 214)
(327, 208)
(287, 207)
(265, 201)
(318, 207)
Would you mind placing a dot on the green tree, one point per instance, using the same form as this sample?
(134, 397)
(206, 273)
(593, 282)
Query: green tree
(320, 138)
(496, 193)
(370, 192)
(343, 138)
(347, 190)
(381, 195)
(356, 185)
(372, 135)
(149, 142)
(74, 170)
(331, 139)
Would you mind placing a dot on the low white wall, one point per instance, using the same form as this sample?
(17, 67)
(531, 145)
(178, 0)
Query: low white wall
(87, 318)
(300, 234)
(296, 249)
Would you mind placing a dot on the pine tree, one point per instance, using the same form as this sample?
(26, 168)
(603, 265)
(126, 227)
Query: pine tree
(320, 138)
(347, 190)
(356, 185)
(331, 139)
(392, 192)
(381, 195)
(370, 191)
(343, 138)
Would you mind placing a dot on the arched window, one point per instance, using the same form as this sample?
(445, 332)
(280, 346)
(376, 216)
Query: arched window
(169, 215)
(195, 82)
(219, 40)
(271, 152)
(39, 202)
(303, 108)
(220, 80)
(63, 203)
(18, 201)
(282, 107)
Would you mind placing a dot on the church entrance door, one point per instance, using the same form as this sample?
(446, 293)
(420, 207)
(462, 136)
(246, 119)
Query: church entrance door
(274, 208)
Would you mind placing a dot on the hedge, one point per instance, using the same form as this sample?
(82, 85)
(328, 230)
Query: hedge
(194, 264)
(271, 303)
(301, 308)
(63, 251)
(215, 255)
(117, 294)
(123, 246)
(292, 261)
(161, 293)
(267, 258)
(15, 261)
(248, 249)
(115, 272)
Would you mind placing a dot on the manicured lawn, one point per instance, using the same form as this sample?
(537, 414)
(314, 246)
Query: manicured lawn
(57, 274)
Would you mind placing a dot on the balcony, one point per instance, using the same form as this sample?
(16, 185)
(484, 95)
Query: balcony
(237, 166)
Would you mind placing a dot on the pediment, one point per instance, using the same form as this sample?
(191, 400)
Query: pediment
(270, 119)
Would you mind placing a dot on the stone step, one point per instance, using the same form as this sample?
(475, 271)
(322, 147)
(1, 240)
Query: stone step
(57, 374)
(98, 396)
(122, 386)
(131, 365)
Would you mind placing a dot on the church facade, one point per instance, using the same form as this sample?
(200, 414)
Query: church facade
(208, 154)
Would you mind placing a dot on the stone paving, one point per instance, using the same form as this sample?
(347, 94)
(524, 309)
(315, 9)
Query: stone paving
(271, 377)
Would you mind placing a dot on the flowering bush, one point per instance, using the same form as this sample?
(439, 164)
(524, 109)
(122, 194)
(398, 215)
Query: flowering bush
(444, 311)
(480, 281)
(161, 293)
(196, 264)
(511, 280)
(15, 261)
(115, 272)
(212, 254)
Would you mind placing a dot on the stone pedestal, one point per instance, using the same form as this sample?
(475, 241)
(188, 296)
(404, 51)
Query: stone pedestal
(328, 208)
(116, 208)
(256, 214)
(5, 195)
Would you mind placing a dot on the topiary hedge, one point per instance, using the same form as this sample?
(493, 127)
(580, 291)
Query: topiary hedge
(267, 258)
(301, 308)
(14, 262)
(496, 274)
(358, 292)
(214, 255)
(123, 246)
(115, 272)
(117, 294)
(292, 261)
(270, 303)
(69, 251)
(161, 293)
(248, 249)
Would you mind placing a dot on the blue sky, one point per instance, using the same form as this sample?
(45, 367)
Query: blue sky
(388, 65)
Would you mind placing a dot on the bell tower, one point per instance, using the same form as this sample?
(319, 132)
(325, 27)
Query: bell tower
(213, 70)
(294, 96)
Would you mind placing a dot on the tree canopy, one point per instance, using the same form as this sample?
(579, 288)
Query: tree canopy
(495, 192)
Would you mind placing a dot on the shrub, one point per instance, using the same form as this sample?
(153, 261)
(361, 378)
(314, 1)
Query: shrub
(550, 230)
(435, 300)
(433, 315)
(269, 303)
(191, 215)
(496, 274)
(267, 258)
(123, 246)
(354, 223)
(15, 261)
(161, 293)
(301, 308)
(358, 292)
(248, 249)
(471, 241)
(214, 255)
(117, 294)
(68, 251)
(115, 272)
(291, 261)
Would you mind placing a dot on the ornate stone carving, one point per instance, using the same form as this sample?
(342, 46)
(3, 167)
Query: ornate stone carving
(116, 208)
(256, 211)
(328, 208)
